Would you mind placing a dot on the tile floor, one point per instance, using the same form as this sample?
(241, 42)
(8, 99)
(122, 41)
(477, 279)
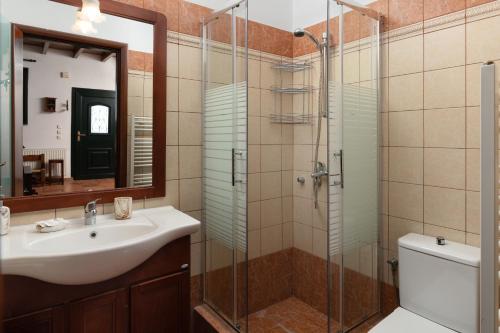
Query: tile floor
(295, 316)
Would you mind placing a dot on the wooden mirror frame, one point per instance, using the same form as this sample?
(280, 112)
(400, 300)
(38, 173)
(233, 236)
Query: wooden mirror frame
(41, 202)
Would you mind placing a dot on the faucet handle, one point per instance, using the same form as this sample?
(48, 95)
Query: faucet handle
(91, 205)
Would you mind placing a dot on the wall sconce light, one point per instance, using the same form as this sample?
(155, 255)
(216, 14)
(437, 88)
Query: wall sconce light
(82, 25)
(85, 17)
(91, 11)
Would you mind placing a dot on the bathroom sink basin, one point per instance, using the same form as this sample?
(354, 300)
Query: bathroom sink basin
(83, 254)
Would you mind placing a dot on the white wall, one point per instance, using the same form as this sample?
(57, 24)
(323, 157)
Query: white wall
(56, 16)
(283, 14)
(88, 71)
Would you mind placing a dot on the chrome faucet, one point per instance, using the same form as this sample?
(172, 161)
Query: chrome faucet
(91, 212)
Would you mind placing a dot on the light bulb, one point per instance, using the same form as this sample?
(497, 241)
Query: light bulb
(91, 11)
(82, 25)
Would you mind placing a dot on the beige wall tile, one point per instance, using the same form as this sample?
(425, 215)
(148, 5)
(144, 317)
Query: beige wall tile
(365, 64)
(254, 215)
(287, 183)
(254, 130)
(473, 212)
(406, 201)
(406, 92)
(135, 86)
(171, 193)
(449, 234)
(253, 158)
(269, 77)
(270, 212)
(351, 67)
(253, 187)
(172, 128)
(320, 243)
(406, 128)
(220, 69)
(303, 134)
(148, 87)
(172, 94)
(444, 207)
(406, 56)
(444, 88)
(161, 202)
(270, 158)
(384, 156)
(270, 133)
(287, 157)
(254, 102)
(444, 167)
(254, 73)
(172, 163)
(271, 239)
(473, 84)
(253, 244)
(444, 128)
(473, 169)
(190, 194)
(32, 217)
(302, 210)
(444, 48)
(406, 164)
(172, 60)
(479, 37)
(400, 227)
(270, 103)
(270, 186)
(189, 62)
(189, 95)
(302, 237)
(189, 129)
(190, 161)
(287, 235)
(473, 239)
(287, 204)
(473, 127)
(109, 208)
(302, 157)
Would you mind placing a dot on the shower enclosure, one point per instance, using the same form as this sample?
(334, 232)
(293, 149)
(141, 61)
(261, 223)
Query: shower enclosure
(291, 171)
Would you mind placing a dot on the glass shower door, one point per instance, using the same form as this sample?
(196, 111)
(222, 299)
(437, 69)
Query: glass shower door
(224, 157)
(353, 104)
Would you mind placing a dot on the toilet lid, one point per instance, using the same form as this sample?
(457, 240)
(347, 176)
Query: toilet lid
(402, 320)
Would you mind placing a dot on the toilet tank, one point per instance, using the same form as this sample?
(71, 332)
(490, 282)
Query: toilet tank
(440, 282)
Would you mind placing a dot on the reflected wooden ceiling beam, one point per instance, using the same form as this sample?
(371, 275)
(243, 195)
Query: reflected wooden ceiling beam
(78, 52)
(106, 55)
(45, 48)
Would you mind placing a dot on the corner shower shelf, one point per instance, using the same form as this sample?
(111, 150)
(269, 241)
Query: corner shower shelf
(292, 66)
(291, 118)
(292, 90)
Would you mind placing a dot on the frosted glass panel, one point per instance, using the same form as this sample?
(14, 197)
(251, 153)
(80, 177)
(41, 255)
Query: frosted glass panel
(99, 119)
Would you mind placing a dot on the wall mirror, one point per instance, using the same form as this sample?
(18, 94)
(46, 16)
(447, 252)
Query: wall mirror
(82, 103)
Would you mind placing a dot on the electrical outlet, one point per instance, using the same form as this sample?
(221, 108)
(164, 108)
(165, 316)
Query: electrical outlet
(65, 75)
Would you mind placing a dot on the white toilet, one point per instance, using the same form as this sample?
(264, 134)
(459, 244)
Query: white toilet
(439, 288)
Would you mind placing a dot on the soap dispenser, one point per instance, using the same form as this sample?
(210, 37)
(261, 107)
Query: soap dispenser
(4, 216)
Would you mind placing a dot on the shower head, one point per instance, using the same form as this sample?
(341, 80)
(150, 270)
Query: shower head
(302, 32)
(299, 32)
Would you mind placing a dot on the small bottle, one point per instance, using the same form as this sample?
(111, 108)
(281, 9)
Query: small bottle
(4, 216)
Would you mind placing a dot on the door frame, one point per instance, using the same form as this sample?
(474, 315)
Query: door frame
(74, 92)
(121, 50)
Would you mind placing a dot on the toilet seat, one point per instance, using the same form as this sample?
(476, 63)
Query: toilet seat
(402, 320)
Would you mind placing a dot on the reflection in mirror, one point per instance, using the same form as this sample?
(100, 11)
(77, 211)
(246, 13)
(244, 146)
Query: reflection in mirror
(82, 106)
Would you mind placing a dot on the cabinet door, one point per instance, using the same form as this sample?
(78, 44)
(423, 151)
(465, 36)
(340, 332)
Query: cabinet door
(161, 305)
(45, 321)
(106, 313)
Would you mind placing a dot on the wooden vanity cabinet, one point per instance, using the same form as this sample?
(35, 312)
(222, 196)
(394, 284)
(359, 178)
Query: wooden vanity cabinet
(152, 298)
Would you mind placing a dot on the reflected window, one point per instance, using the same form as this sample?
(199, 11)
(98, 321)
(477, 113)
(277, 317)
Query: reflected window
(99, 119)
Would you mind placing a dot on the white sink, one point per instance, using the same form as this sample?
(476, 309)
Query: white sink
(83, 254)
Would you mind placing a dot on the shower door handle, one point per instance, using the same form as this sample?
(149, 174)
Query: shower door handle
(340, 154)
(233, 166)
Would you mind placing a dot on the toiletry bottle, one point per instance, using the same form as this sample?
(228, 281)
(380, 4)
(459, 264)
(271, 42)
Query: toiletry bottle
(4, 216)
